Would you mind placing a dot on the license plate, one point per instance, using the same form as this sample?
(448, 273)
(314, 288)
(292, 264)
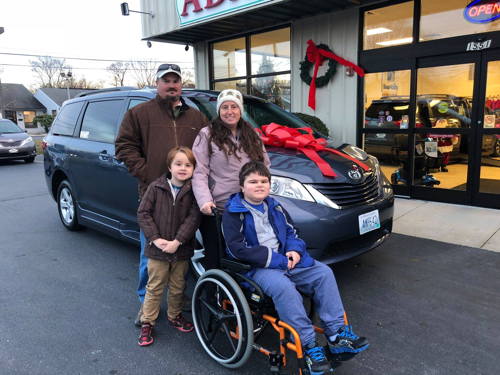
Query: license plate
(368, 222)
(13, 150)
(380, 135)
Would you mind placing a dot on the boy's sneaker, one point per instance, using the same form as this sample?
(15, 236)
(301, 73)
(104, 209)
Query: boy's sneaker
(181, 323)
(146, 337)
(316, 361)
(347, 342)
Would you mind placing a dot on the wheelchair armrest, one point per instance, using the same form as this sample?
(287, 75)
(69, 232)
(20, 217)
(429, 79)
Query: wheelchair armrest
(235, 265)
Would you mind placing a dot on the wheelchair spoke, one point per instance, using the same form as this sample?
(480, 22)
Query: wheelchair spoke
(228, 335)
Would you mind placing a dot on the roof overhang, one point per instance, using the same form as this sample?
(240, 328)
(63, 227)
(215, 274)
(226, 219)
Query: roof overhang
(262, 17)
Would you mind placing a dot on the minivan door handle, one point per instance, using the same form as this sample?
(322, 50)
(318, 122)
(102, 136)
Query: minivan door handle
(104, 156)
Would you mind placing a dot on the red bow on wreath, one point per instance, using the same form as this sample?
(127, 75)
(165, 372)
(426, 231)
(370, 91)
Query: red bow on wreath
(317, 56)
(282, 136)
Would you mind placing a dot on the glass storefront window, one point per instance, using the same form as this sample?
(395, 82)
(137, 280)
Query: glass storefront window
(445, 19)
(388, 26)
(273, 88)
(490, 165)
(387, 99)
(444, 96)
(492, 104)
(229, 58)
(392, 152)
(240, 85)
(441, 161)
(270, 52)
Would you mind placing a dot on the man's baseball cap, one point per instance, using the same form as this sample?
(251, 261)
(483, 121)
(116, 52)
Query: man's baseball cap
(168, 68)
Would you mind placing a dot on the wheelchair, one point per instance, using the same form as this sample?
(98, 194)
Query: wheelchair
(231, 312)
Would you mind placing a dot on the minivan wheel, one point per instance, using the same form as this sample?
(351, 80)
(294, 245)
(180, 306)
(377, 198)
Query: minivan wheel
(66, 206)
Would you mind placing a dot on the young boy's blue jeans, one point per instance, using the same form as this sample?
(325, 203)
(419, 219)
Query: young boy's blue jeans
(143, 269)
(317, 281)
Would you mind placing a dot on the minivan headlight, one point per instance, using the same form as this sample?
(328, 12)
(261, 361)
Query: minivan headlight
(355, 152)
(289, 188)
(26, 141)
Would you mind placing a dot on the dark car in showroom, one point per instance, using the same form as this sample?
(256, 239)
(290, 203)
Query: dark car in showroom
(392, 112)
(15, 144)
(338, 217)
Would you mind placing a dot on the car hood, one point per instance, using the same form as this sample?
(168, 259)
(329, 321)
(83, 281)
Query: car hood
(6, 137)
(294, 164)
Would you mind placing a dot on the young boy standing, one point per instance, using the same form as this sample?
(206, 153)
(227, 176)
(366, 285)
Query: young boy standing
(257, 230)
(169, 217)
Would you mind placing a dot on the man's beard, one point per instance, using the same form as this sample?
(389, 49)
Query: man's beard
(173, 99)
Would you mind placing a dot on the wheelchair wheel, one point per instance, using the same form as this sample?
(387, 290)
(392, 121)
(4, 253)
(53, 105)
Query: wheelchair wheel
(222, 319)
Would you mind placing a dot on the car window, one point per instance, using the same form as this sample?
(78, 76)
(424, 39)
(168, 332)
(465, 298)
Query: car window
(134, 102)
(7, 126)
(65, 122)
(206, 105)
(395, 109)
(100, 121)
(260, 113)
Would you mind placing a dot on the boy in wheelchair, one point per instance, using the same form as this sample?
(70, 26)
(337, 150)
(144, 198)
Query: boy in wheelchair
(258, 231)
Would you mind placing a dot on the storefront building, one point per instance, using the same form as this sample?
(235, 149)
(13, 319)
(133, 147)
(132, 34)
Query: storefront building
(428, 105)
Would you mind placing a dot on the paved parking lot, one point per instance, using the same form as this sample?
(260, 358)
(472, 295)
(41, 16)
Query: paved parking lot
(67, 301)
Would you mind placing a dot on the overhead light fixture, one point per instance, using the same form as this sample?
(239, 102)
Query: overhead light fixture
(378, 30)
(126, 11)
(395, 42)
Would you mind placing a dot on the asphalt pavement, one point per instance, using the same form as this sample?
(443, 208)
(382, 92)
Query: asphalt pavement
(67, 301)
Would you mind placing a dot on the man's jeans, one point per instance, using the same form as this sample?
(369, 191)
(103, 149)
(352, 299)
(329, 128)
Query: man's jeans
(143, 270)
(317, 281)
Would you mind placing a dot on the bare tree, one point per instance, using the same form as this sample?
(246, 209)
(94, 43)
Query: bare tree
(188, 79)
(48, 70)
(118, 70)
(83, 83)
(144, 72)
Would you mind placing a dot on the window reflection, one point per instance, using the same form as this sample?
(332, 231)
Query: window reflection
(434, 24)
(240, 85)
(392, 153)
(273, 88)
(440, 161)
(490, 166)
(270, 52)
(444, 96)
(388, 26)
(387, 99)
(229, 58)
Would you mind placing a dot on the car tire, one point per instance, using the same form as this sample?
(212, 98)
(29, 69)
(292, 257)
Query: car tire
(29, 160)
(66, 206)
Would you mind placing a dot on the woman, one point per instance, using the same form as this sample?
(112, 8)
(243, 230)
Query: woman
(221, 149)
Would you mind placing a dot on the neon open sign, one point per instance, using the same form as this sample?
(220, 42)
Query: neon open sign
(482, 11)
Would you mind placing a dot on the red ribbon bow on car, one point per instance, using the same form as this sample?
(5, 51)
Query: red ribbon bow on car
(282, 136)
(317, 56)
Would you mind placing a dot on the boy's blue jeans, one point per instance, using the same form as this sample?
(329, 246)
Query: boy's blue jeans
(143, 269)
(317, 281)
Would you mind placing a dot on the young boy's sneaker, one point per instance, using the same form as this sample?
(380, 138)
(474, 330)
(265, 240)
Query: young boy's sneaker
(146, 337)
(316, 361)
(181, 323)
(347, 342)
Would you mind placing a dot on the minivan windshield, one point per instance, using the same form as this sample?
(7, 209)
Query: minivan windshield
(7, 126)
(257, 112)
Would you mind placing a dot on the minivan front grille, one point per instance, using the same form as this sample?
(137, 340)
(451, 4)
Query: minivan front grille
(345, 195)
(11, 144)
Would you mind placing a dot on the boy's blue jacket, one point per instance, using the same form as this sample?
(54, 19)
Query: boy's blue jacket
(241, 238)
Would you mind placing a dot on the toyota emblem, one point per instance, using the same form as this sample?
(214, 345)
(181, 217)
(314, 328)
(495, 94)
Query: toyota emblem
(354, 173)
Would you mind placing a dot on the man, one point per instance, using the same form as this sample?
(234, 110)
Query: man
(147, 133)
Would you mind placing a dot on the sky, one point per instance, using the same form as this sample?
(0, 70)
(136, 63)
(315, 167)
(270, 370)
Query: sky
(76, 29)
